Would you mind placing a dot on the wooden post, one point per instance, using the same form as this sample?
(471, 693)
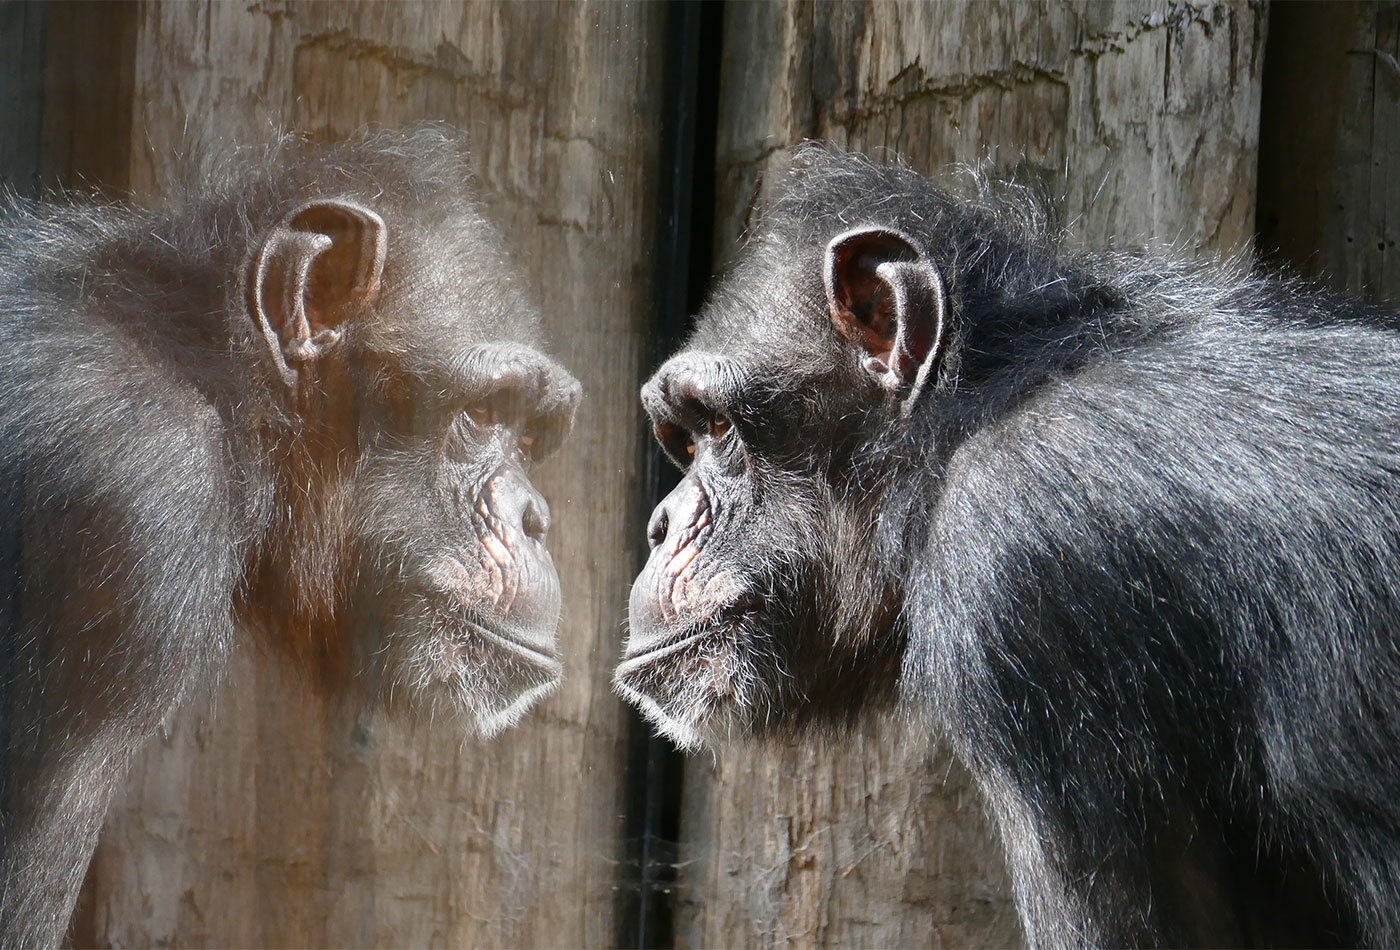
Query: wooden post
(265, 819)
(1143, 119)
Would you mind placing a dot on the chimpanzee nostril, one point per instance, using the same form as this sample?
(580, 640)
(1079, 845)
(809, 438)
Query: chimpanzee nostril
(659, 526)
(534, 520)
(515, 503)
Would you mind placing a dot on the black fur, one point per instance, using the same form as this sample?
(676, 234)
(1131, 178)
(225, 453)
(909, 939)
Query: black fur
(1142, 534)
(184, 483)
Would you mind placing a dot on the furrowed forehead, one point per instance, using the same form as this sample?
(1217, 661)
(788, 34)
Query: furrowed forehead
(769, 314)
(447, 288)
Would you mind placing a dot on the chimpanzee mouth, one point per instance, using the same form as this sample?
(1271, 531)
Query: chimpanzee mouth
(690, 686)
(524, 672)
(479, 666)
(514, 643)
(737, 617)
(696, 684)
(653, 653)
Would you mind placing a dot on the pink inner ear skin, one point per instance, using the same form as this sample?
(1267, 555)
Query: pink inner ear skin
(863, 302)
(317, 269)
(886, 297)
(347, 275)
(861, 305)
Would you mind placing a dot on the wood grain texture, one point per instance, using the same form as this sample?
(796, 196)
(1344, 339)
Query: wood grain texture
(1143, 116)
(267, 818)
(1143, 120)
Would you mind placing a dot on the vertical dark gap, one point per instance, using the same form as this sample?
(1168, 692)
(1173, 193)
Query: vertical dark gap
(702, 224)
(22, 29)
(23, 32)
(1303, 95)
(655, 769)
(89, 91)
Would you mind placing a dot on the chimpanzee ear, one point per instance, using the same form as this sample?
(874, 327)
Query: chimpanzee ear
(886, 297)
(318, 268)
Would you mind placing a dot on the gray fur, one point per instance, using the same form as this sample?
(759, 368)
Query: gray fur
(178, 493)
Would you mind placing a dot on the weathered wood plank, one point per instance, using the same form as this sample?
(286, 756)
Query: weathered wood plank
(88, 63)
(1143, 119)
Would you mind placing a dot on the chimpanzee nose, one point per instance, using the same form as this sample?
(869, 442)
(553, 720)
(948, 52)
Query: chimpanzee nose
(658, 526)
(535, 519)
(680, 509)
(516, 503)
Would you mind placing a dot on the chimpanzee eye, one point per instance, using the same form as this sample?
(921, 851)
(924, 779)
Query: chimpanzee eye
(676, 440)
(482, 415)
(717, 427)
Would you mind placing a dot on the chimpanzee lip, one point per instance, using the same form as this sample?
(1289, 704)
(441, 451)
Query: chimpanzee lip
(666, 647)
(747, 608)
(531, 652)
(688, 637)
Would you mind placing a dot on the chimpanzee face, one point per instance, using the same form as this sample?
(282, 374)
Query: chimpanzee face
(452, 541)
(421, 537)
(764, 588)
(768, 599)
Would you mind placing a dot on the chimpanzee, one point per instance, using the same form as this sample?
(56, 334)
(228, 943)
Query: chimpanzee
(1125, 528)
(300, 400)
